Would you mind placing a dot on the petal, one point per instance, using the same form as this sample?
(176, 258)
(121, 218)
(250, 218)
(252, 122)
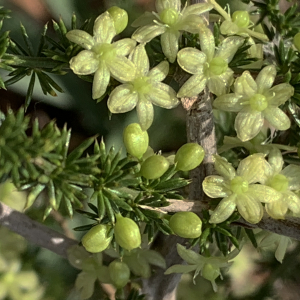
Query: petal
(277, 118)
(163, 95)
(190, 23)
(248, 124)
(277, 209)
(121, 99)
(224, 168)
(282, 92)
(275, 160)
(228, 47)
(245, 85)
(100, 81)
(197, 9)
(229, 102)
(207, 42)
(169, 44)
(190, 256)
(224, 209)
(193, 86)
(250, 209)
(140, 59)
(293, 201)
(104, 29)
(228, 28)
(263, 193)
(215, 187)
(265, 78)
(124, 46)
(220, 84)
(84, 63)
(292, 172)
(191, 60)
(252, 168)
(122, 69)
(81, 38)
(145, 113)
(146, 33)
(164, 4)
(159, 72)
(143, 20)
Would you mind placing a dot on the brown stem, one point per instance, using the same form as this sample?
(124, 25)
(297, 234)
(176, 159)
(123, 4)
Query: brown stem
(35, 232)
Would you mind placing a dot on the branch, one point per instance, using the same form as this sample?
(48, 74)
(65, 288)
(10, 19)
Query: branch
(35, 232)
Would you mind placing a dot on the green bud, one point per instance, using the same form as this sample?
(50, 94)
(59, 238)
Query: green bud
(169, 16)
(189, 156)
(296, 41)
(120, 18)
(154, 167)
(119, 273)
(136, 140)
(127, 233)
(241, 18)
(218, 66)
(210, 272)
(186, 224)
(96, 239)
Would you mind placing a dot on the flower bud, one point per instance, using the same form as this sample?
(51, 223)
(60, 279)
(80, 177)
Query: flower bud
(120, 18)
(241, 18)
(186, 224)
(136, 140)
(154, 167)
(127, 233)
(96, 239)
(189, 156)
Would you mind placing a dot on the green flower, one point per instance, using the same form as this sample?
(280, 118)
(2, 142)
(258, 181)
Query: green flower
(208, 266)
(169, 22)
(284, 181)
(256, 101)
(209, 67)
(239, 189)
(276, 242)
(238, 24)
(100, 56)
(143, 90)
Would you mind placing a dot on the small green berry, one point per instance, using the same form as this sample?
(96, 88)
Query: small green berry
(120, 18)
(127, 233)
(186, 224)
(154, 167)
(296, 41)
(96, 239)
(136, 140)
(119, 273)
(189, 156)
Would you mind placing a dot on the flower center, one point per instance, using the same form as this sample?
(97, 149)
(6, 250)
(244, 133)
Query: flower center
(241, 18)
(218, 66)
(279, 182)
(238, 185)
(258, 102)
(105, 51)
(169, 16)
(142, 85)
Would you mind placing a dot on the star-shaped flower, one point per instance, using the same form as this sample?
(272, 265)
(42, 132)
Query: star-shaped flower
(143, 90)
(168, 22)
(285, 181)
(239, 189)
(256, 100)
(208, 266)
(209, 67)
(101, 57)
